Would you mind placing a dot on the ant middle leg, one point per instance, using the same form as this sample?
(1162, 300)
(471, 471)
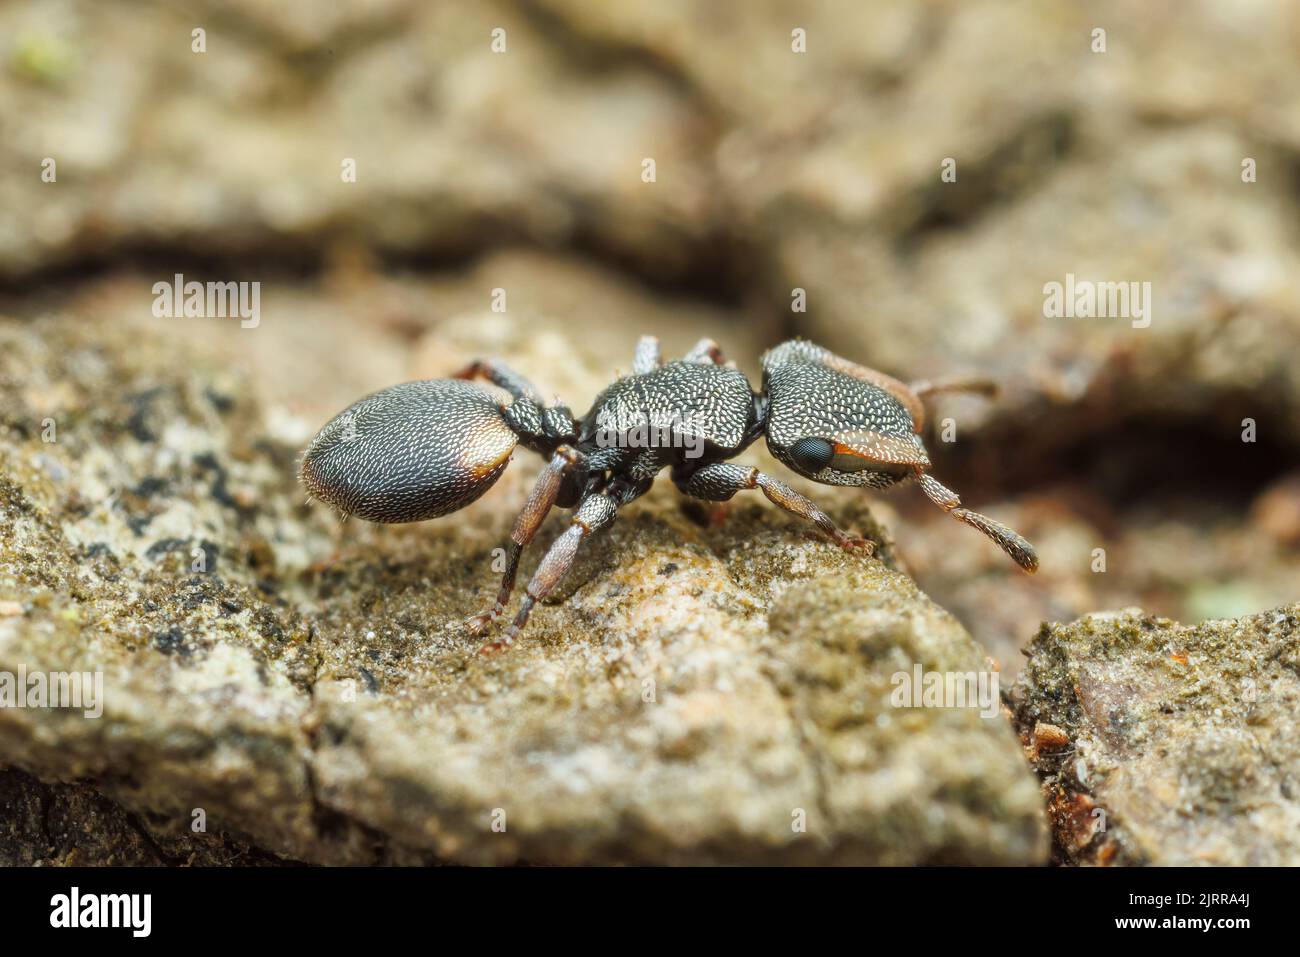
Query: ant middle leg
(545, 491)
(594, 513)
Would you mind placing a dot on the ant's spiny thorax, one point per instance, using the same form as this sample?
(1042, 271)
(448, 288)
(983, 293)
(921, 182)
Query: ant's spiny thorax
(683, 403)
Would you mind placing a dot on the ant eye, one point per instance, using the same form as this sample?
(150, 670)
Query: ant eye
(812, 455)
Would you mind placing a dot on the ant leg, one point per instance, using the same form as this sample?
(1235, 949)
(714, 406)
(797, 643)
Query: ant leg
(704, 352)
(540, 427)
(529, 521)
(500, 374)
(647, 357)
(1010, 541)
(595, 512)
(719, 481)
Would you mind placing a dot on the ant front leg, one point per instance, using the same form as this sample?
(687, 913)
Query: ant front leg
(1008, 539)
(530, 519)
(719, 481)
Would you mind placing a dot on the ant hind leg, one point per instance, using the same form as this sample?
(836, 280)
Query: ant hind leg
(501, 375)
(704, 352)
(647, 357)
(597, 511)
(543, 496)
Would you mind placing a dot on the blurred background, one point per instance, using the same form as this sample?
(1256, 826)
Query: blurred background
(795, 148)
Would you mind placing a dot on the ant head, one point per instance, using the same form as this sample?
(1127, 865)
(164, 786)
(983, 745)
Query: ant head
(839, 423)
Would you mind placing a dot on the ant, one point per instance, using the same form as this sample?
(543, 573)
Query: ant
(422, 449)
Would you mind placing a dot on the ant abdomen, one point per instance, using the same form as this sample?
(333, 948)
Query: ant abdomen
(410, 452)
